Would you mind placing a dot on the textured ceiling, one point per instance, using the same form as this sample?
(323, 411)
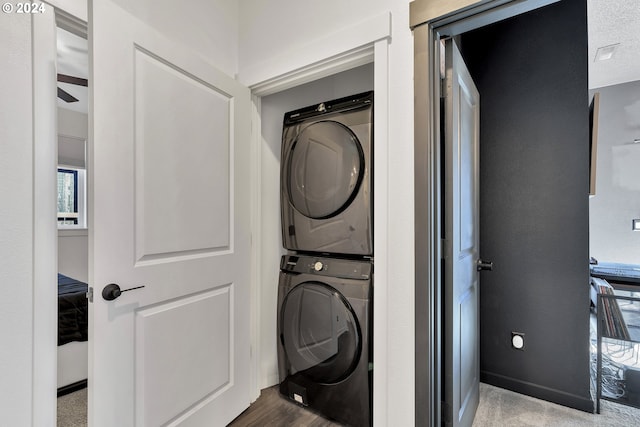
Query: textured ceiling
(611, 22)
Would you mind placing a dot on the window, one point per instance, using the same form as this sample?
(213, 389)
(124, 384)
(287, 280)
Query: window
(67, 197)
(71, 198)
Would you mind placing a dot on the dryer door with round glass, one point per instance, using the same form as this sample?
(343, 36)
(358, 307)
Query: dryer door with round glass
(325, 168)
(320, 333)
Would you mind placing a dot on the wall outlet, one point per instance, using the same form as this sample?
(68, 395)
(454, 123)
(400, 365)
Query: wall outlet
(635, 224)
(517, 340)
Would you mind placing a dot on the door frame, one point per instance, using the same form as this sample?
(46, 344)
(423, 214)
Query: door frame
(45, 225)
(431, 20)
(45, 228)
(360, 44)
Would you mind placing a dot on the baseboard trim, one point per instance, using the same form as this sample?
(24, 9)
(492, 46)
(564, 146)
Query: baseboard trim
(70, 388)
(539, 392)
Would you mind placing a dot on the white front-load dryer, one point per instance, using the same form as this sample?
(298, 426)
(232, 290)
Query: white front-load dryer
(326, 177)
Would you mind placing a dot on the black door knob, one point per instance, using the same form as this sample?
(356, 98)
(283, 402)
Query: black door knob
(113, 291)
(484, 265)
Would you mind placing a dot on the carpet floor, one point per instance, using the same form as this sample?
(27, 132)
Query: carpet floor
(72, 409)
(498, 408)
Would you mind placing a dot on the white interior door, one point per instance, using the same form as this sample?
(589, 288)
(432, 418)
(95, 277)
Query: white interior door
(170, 212)
(461, 293)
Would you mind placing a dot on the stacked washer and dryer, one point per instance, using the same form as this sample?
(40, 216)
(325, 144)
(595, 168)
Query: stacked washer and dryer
(325, 288)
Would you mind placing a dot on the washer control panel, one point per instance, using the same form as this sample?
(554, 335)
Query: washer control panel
(335, 267)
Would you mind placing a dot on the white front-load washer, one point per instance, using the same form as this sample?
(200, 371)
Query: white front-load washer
(326, 177)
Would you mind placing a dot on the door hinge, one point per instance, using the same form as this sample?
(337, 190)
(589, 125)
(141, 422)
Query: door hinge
(443, 88)
(90, 294)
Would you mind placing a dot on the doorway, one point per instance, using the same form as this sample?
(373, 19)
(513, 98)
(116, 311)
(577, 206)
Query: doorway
(531, 293)
(613, 238)
(534, 211)
(72, 227)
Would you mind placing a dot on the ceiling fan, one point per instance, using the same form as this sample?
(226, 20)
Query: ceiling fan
(64, 78)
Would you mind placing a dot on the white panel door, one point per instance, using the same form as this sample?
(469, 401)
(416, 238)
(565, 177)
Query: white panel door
(461, 294)
(170, 212)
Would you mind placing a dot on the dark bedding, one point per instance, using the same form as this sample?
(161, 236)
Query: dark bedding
(72, 310)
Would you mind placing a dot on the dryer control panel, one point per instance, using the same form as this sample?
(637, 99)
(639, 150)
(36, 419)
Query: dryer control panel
(323, 266)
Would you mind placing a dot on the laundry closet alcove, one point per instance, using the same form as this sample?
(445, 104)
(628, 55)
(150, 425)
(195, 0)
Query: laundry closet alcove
(362, 48)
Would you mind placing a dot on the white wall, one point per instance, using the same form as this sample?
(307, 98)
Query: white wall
(73, 258)
(73, 246)
(76, 8)
(16, 217)
(268, 29)
(209, 27)
(617, 199)
(72, 123)
(73, 254)
(273, 108)
(274, 32)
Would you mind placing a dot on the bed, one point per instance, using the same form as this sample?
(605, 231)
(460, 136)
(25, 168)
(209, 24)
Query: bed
(72, 334)
(72, 310)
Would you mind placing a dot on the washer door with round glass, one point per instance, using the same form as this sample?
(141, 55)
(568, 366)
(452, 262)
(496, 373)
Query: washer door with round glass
(324, 168)
(321, 335)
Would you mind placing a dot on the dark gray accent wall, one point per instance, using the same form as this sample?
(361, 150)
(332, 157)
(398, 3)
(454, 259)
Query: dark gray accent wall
(531, 72)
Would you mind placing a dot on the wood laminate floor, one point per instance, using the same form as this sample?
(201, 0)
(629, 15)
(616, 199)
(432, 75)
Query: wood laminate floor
(498, 408)
(273, 410)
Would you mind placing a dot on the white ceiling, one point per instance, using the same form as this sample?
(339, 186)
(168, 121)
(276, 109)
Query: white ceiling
(73, 60)
(609, 22)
